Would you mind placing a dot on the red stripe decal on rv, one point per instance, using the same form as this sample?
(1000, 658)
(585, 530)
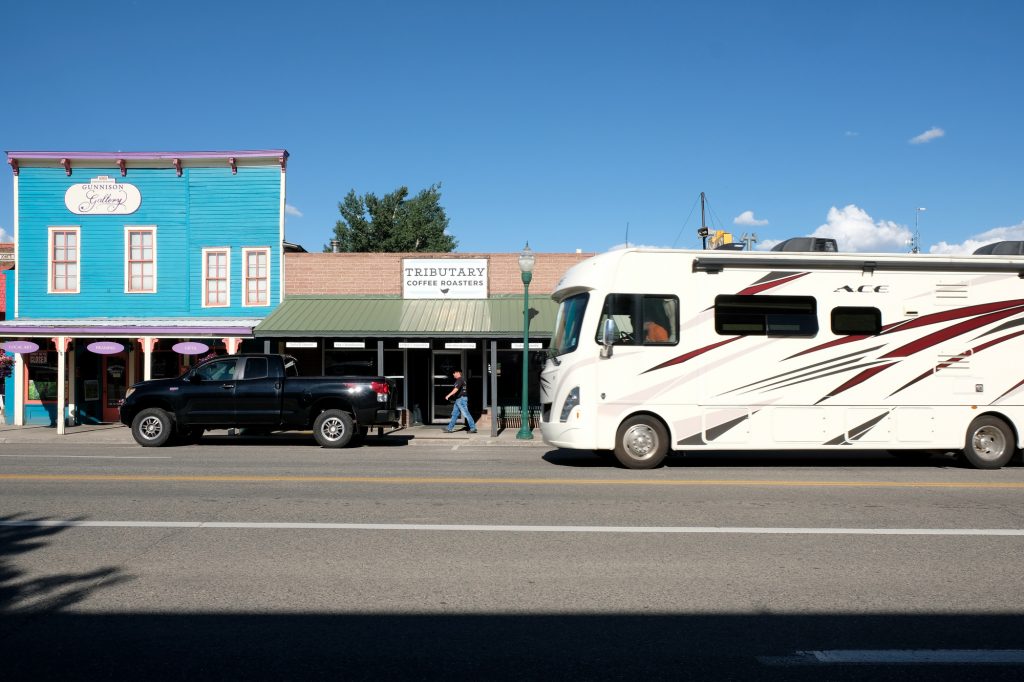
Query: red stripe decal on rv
(944, 365)
(926, 320)
(692, 354)
(863, 376)
(758, 288)
(949, 332)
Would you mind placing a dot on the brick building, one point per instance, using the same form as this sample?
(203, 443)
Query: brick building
(416, 317)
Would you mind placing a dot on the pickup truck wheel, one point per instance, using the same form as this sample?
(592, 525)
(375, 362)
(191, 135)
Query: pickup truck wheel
(333, 429)
(152, 427)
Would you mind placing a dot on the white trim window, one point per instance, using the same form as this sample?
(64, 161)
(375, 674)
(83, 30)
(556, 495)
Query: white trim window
(256, 276)
(140, 259)
(65, 253)
(216, 278)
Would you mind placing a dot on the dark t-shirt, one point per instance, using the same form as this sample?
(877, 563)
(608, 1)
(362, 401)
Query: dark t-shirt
(460, 384)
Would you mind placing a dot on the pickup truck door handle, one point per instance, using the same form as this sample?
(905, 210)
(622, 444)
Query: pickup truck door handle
(227, 385)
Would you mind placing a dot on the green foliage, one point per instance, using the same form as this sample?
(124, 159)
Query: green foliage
(393, 223)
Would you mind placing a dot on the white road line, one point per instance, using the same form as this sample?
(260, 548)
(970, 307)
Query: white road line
(900, 657)
(90, 456)
(695, 530)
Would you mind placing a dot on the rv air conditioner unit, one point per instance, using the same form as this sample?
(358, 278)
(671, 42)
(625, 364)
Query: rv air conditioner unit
(807, 244)
(1001, 249)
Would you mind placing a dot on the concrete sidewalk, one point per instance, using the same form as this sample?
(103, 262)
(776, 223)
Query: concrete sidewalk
(118, 434)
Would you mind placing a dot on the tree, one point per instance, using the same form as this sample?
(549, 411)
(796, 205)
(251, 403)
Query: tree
(393, 223)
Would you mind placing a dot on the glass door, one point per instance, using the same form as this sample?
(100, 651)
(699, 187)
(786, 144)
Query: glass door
(444, 363)
(115, 384)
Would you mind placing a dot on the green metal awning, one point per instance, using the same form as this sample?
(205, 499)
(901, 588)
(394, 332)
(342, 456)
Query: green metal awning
(318, 316)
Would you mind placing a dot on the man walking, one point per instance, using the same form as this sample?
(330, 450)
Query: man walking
(461, 403)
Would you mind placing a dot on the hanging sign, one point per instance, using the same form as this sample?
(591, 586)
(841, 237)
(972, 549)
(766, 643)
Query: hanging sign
(105, 347)
(300, 344)
(534, 345)
(460, 344)
(190, 348)
(350, 344)
(20, 346)
(444, 278)
(103, 195)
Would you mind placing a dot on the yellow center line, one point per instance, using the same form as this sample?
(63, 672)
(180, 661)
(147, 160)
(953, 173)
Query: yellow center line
(434, 480)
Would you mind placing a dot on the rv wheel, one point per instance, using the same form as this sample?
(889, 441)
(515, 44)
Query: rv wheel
(990, 443)
(641, 443)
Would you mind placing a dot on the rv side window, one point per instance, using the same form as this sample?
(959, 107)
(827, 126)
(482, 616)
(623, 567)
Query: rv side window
(866, 321)
(766, 315)
(647, 320)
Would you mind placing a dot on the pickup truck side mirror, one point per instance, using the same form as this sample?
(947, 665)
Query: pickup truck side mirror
(194, 378)
(609, 332)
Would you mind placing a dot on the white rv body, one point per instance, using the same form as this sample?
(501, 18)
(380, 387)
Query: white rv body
(949, 348)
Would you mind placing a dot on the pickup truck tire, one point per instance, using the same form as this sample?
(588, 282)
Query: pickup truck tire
(152, 427)
(333, 429)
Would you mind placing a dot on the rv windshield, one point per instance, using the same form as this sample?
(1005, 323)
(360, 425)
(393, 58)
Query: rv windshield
(568, 324)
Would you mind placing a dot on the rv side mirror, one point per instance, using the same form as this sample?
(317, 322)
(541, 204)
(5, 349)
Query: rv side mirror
(609, 333)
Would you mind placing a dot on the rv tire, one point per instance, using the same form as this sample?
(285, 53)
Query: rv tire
(641, 442)
(990, 443)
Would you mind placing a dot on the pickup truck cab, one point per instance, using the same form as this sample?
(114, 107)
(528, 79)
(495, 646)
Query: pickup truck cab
(260, 393)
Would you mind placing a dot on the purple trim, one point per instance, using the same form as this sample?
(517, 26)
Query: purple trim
(97, 332)
(150, 156)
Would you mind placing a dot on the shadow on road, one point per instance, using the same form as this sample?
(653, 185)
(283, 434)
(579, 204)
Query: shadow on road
(767, 458)
(22, 594)
(298, 438)
(146, 646)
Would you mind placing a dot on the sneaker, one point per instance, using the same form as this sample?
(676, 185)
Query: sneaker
(448, 431)
(472, 430)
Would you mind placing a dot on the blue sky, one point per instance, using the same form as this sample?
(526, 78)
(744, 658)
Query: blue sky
(559, 122)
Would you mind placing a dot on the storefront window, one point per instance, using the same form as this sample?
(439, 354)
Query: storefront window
(357, 363)
(42, 376)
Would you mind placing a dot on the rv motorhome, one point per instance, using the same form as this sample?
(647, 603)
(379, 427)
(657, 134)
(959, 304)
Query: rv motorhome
(700, 351)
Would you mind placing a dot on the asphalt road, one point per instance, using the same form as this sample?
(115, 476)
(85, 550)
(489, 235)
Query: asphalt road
(275, 559)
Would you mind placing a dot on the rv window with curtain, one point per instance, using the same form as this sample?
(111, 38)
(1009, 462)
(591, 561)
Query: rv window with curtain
(867, 321)
(766, 315)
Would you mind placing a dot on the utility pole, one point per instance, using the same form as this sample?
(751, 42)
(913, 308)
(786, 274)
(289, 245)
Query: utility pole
(703, 231)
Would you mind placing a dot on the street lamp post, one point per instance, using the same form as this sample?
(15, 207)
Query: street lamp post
(526, 261)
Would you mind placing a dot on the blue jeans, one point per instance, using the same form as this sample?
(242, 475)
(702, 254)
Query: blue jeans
(461, 405)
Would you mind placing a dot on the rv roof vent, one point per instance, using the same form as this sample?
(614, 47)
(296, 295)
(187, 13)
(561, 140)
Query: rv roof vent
(1001, 249)
(732, 246)
(807, 244)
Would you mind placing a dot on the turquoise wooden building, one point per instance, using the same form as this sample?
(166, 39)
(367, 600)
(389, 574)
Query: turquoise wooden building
(129, 266)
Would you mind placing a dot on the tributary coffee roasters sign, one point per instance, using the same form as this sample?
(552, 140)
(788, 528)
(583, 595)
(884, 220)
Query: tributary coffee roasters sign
(103, 196)
(444, 278)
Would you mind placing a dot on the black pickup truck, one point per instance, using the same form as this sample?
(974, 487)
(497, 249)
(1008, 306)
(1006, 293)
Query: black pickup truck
(257, 393)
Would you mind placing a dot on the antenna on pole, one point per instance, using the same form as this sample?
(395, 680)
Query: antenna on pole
(627, 234)
(915, 241)
(703, 231)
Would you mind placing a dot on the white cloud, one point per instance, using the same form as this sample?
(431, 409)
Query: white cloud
(747, 218)
(291, 210)
(996, 234)
(855, 230)
(851, 133)
(928, 135)
(5, 236)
